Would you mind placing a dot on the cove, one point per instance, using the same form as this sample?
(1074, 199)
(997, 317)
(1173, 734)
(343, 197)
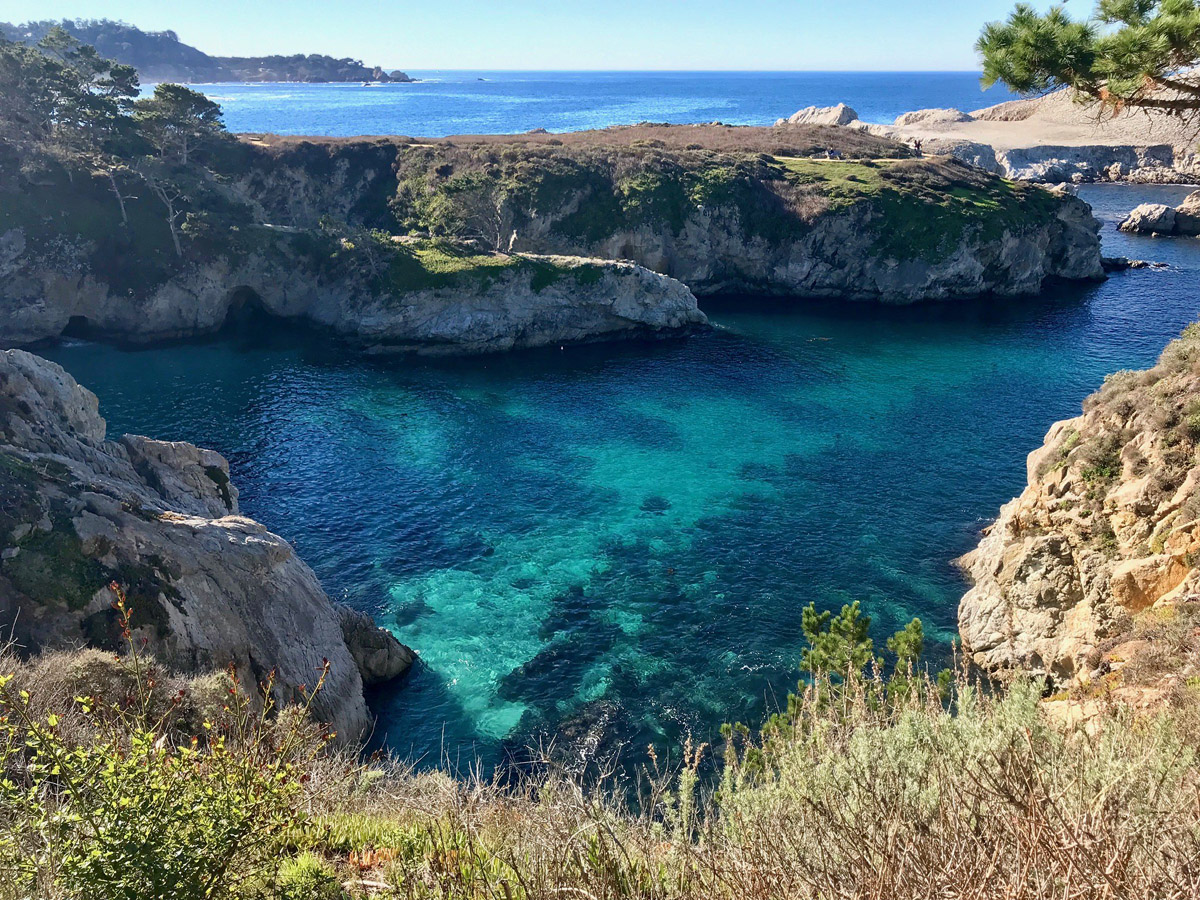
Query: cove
(613, 543)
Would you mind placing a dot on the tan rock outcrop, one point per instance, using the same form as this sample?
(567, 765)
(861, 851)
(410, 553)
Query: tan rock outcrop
(1157, 218)
(1105, 529)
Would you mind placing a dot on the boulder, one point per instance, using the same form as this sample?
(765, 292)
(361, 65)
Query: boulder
(1187, 215)
(932, 118)
(1150, 218)
(1190, 205)
(379, 656)
(821, 115)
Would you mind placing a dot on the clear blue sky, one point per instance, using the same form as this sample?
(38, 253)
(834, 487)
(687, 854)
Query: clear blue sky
(571, 34)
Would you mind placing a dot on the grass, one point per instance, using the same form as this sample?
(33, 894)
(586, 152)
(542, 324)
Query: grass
(441, 264)
(437, 264)
(587, 192)
(986, 798)
(924, 206)
(867, 787)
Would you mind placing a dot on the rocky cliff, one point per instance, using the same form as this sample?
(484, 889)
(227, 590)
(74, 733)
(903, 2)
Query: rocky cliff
(413, 299)
(861, 252)
(449, 248)
(1108, 528)
(72, 258)
(890, 230)
(208, 587)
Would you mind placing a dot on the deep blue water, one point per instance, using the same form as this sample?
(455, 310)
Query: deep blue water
(626, 534)
(445, 103)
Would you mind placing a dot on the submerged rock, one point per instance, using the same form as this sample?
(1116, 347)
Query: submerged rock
(208, 587)
(1108, 526)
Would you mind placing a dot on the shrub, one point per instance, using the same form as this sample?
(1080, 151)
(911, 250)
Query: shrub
(308, 877)
(118, 810)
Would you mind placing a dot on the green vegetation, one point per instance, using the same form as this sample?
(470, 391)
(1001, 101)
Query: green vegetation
(123, 782)
(1131, 53)
(433, 264)
(402, 265)
(127, 813)
(52, 567)
(175, 117)
(139, 191)
(98, 180)
(917, 208)
(161, 56)
(926, 206)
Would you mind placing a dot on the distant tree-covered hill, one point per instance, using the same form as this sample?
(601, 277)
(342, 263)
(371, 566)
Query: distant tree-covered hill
(161, 56)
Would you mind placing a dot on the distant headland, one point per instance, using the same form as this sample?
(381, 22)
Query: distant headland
(161, 56)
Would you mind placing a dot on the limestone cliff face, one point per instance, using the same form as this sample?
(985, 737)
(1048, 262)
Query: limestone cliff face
(504, 303)
(840, 255)
(1108, 526)
(208, 586)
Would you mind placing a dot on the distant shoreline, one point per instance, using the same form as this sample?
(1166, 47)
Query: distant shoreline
(151, 82)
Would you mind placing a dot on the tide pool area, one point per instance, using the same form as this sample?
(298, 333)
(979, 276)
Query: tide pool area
(613, 543)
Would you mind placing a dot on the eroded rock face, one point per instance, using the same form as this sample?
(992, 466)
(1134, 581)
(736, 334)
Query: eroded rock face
(839, 256)
(1090, 163)
(208, 587)
(1107, 527)
(534, 302)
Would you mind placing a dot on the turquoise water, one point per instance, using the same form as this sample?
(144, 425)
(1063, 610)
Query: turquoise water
(445, 103)
(615, 542)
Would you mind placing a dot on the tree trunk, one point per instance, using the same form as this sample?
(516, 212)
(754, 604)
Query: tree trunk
(112, 179)
(171, 216)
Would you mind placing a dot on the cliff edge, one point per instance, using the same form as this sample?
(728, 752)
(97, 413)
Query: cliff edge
(1107, 530)
(208, 587)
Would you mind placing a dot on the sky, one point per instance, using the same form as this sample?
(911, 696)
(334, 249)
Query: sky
(855, 35)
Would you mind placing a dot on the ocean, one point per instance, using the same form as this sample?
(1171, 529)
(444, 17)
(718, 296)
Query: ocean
(445, 103)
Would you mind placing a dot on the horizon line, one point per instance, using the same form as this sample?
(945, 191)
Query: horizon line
(666, 71)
